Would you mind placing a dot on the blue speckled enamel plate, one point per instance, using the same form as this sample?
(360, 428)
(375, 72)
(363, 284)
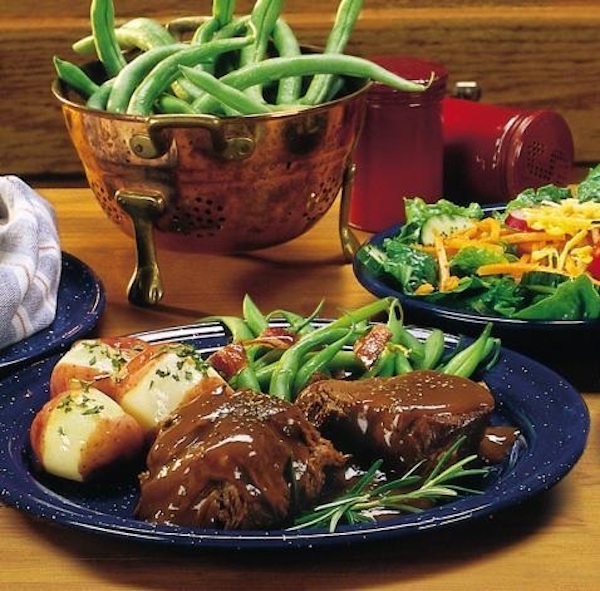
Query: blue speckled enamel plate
(550, 413)
(80, 303)
(533, 338)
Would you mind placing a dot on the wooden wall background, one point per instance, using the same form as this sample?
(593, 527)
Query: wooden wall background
(528, 54)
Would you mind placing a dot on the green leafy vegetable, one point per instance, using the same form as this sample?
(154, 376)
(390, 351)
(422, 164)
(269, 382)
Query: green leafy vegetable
(533, 197)
(576, 299)
(408, 266)
(404, 262)
(467, 260)
(589, 188)
(501, 296)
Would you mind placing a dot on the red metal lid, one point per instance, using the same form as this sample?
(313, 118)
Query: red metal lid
(538, 150)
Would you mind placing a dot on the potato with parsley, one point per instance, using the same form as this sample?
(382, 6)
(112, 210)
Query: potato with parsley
(161, 379)
(82, 432)
(101, 362)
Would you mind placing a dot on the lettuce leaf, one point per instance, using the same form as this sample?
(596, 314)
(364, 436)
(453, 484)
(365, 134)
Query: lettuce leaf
(572, 300)
(468, 259)
(589, 188)
(405, 266)
(533, 197)
(409, 266)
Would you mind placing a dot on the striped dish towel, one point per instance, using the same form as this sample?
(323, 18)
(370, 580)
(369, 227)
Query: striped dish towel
(30, 261)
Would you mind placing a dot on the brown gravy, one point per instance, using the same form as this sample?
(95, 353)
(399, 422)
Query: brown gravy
(497, 442)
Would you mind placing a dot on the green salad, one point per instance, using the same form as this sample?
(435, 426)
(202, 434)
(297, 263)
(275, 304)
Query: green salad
(536, 259)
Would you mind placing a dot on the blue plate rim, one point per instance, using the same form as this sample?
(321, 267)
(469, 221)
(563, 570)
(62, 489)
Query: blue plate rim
(56, 337)
(381, 289)
(554, 445)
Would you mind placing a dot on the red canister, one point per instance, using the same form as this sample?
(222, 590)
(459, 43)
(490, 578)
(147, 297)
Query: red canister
(493, 152)
(400, 151)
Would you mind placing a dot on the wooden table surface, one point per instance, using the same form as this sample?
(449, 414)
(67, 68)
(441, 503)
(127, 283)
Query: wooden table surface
(549, 543)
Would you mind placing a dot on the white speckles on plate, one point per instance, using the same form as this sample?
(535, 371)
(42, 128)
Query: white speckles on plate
(80, 303)
(549, 412)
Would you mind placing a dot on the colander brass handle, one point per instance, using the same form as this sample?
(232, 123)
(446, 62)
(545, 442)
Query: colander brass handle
(145, 287)
(229, 141)
(350, 243)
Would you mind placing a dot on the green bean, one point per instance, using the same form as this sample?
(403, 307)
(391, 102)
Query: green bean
(236, 326)
(159, 33)
(264, 374)
(433, 349)
(129, 78)
(401, 363)
(384, 366)
(173, 105)
(269, 357)
(284, 374)
(299, 324)
(320, 360)
(75, 77)
(395, 321)
(141, 33)
(287, 45)
(246, 379)
(255, 320)
(415, 347)
(102, 18)
(222, 14)
(345, 362)
(222, 10)
(346, 17)
(186, 90)
(236, 27)
(206, 31)
(365, 312)
(263, 17)
(465, 362)
(234, 101)
(492, 352)
(99, 99)
(232, 29)
(165, 72)
(335, 88)
(307, 65)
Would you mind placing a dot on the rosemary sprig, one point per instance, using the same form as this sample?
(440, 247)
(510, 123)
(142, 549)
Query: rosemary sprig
(359, 503)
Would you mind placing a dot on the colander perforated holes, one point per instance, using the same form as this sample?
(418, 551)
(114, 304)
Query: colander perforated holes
(106, 202)
(320, 201)
(202, 217)
(124, 152)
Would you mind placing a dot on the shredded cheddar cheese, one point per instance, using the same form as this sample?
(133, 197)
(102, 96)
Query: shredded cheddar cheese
(559, 239)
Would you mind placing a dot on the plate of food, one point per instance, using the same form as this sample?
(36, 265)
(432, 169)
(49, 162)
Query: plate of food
(264, 431)
(531, 266)
(80, 302)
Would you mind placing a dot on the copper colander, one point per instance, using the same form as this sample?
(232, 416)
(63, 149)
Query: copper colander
(202, 183)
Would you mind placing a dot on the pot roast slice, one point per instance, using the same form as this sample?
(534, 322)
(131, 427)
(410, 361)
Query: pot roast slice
(241, 460)
(402, 419)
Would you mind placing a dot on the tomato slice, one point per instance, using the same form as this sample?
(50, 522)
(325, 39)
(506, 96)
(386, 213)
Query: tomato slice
(516, 220)
(594, 267)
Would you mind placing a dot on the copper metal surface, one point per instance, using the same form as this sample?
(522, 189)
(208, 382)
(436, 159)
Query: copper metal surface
(224, 185)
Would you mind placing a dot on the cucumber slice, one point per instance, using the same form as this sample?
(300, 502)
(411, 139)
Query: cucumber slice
(443, 225)
(542, 281)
